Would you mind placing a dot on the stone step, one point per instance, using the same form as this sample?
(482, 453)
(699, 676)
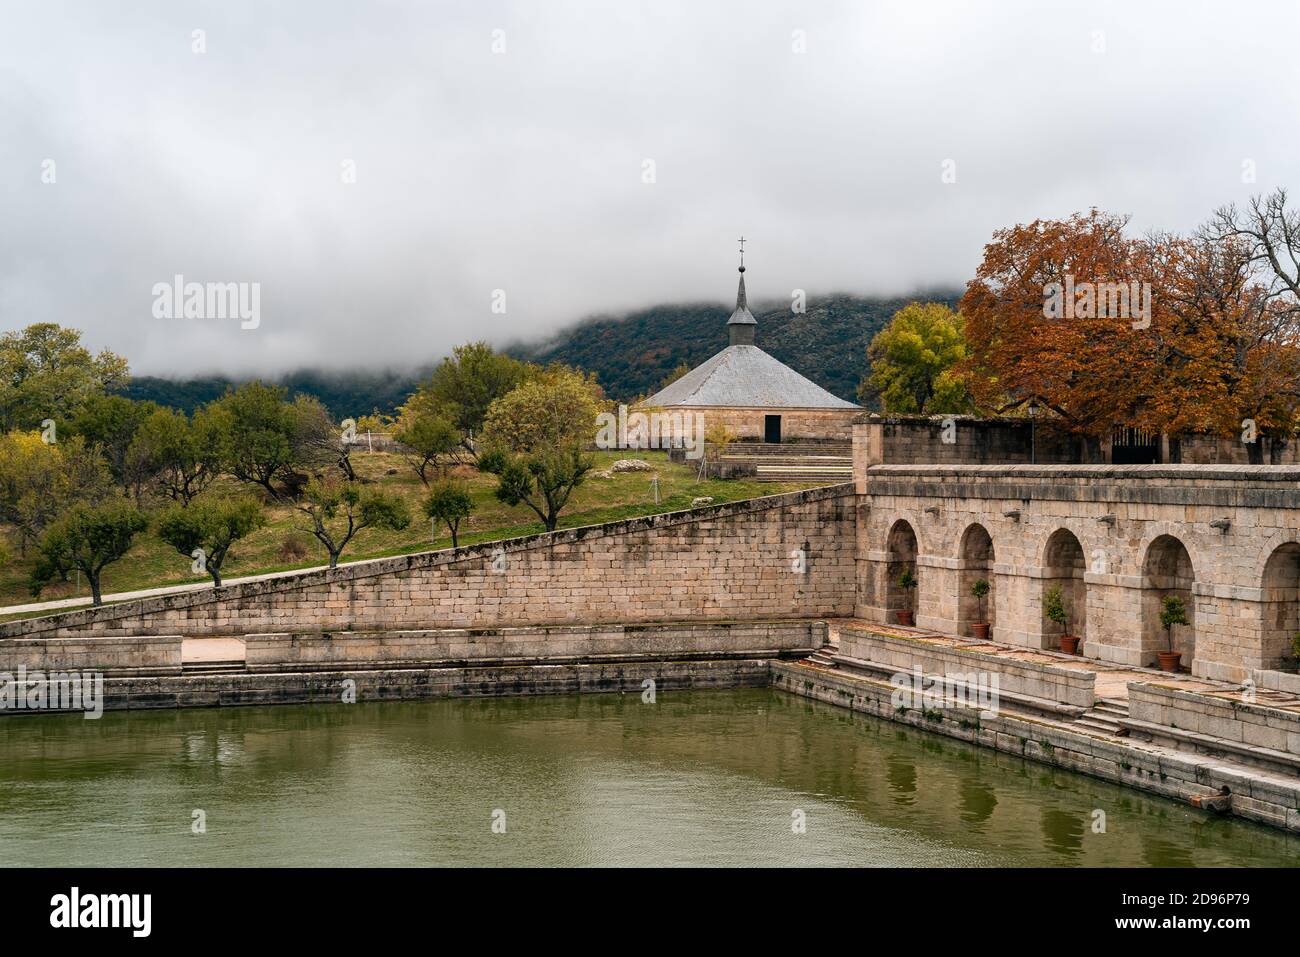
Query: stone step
(1109, 708)
(1095, 723)
(233, 666)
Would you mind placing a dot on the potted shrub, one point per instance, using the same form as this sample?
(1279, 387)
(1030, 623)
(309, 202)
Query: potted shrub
(980, 589)
(1054, 609)
(1172, 612)
(907, 582)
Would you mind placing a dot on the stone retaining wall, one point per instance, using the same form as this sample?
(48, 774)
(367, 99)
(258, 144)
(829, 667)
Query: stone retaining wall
(1287, 681)
(305, 652)
(1231, 720)
(1067, 686)
(136, 655)
(210, 691)
(725, 562)
(1190, 778)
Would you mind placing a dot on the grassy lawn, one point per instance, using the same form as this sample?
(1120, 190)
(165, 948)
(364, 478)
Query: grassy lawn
(285, 544)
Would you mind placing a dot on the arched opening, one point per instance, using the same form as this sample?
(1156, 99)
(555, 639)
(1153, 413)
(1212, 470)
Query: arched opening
(1281, 599)
(975, 563)
(1167, 572)
(1063, 568)
(901, 549)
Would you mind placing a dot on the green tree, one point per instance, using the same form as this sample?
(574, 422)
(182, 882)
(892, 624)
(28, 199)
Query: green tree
(205, 530)
(338, 510)
(183, 456)
(429, 441)
(86, 537)
(555, 409)
(465, 384)
(260, 427)
(111, 422)
(317, 441)
(46, 373)
(39, 481)
(541, 480)
(913, 359)
(449, 503)
(1172, 612)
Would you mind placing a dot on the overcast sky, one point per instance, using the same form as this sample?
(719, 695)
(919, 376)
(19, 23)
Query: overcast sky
(525, 170)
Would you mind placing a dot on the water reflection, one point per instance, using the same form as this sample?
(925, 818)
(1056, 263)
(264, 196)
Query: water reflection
(697, 778)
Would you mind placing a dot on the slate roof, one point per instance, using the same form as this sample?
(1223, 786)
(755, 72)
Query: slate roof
(746, 376)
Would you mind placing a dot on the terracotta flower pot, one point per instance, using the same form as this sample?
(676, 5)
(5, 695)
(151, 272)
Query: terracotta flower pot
(1070, 644)
(1169, 660)
(980, 630)
(904, 618)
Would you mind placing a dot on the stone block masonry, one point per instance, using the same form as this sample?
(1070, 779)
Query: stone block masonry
(1069, 686)
(146, 655)
(778, 557)
(320, 652)
(1114, 540)
(1200, 780)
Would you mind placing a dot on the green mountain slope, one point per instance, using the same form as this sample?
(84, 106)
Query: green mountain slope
(630, 355)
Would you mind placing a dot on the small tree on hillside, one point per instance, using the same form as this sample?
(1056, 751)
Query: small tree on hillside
(543, 481)
(338, 510)
(183, 456)
(429, 442)
(205, 530)
(449, 503)
(87, 538)
(317, 442)
(260, 430)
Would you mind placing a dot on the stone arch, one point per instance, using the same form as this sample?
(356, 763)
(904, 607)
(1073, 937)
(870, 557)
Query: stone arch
(1064, 564)
(974, 561)
(1167, 569)
(902, 549)
(1280, 584)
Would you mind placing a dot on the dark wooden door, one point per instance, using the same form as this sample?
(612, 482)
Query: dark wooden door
(771, 428)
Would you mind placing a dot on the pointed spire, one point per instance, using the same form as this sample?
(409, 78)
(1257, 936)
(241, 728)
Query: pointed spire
(742, 322)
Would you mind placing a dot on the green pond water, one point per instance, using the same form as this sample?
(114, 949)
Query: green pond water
(700, 778)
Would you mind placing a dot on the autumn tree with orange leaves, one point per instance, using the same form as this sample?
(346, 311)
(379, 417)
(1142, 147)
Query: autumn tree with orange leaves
(1167, 333)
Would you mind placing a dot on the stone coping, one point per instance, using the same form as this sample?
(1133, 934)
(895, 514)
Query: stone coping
(378, 567)
(948, 643)
(1221, 698)
(1187, 473)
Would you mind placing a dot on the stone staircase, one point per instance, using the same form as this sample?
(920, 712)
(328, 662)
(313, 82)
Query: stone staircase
(234, 666)
(794, 461)
(1105, 715)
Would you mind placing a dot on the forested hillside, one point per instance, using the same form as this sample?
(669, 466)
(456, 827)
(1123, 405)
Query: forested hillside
(631, 355)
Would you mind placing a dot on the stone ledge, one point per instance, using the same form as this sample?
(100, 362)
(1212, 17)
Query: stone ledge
(1212, 746)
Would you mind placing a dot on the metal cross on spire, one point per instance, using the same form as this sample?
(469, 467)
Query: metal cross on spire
(742, 253)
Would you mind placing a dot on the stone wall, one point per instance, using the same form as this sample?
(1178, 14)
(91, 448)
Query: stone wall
(1115, 539)
(720, 563)
(747, 424)
(137, 655)
(959, 440)
(1068, 686)
(316, 652)
(1213, 450)
(1226, 720)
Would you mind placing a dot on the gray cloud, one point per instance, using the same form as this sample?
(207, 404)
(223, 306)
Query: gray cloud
(522, 171)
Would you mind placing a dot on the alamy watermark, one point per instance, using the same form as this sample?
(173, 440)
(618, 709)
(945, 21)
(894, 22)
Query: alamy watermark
(1098, 300)
(179, 299)
(651, 430)
(53, 691)
(977, 690)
